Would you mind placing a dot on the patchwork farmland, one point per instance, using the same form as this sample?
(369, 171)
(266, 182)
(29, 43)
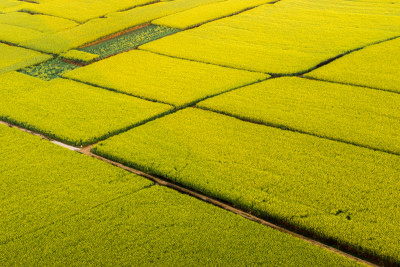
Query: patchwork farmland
(199, 132)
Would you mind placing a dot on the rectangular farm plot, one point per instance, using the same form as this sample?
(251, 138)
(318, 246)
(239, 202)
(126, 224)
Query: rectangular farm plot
(13, 58)
(165, 79)
(199, 15)
(69, 111)
(335, 190)
(352, 114)
(160, 227)
(287, 37)
(42, 183)
(375, 66)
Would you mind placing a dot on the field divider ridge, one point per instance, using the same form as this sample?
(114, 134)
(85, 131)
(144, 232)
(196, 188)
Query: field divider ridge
(291, 129)
(326, 62)
(352, 84)
(204, 62)
(86, 150)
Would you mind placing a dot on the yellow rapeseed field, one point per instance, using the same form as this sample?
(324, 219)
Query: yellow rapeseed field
(283, 38)
(375, 66)
(202, 14)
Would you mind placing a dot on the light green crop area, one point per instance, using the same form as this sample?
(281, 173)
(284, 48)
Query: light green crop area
(82, 11)
(73, 112)
(284, 38)
(111, 23)
(374, 66)
(203, 14)
(165, 79)
(13, 58)
(353, 114)
(160, 227)
(335, 190)
(42, 183)
(41, 23)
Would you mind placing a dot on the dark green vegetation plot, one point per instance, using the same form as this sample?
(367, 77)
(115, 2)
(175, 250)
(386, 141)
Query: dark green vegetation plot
(338, 191)
(129, 40)
(58, 207)
(49, 70)
(352, 114)
(69, 111)
(42, 183)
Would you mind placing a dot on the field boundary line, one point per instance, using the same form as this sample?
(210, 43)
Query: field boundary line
(326, 62)
(350, 84)
(164, 182)
(204, 62)
(294, 130)
(299, 73)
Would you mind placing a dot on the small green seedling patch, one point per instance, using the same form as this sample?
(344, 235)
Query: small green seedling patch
(49, 70)
(129, 40)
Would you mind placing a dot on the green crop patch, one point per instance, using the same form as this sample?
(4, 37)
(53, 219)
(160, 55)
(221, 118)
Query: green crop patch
(160, 227)
(374, 66)
(288, 37)
(13, 58)
(69, 111)
(202, 14)
(49, 70)
(352, 114)
(42, 183)
(129, 40)
(109, 24)
(335, 190)
(165, 79)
